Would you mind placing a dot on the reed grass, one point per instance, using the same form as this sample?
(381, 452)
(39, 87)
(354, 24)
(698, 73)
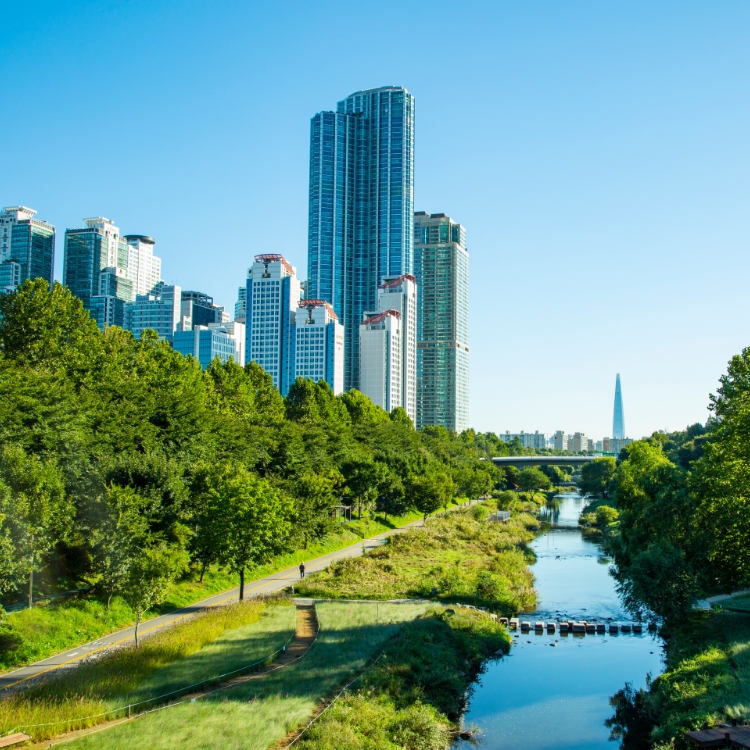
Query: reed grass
(129, 674)
(457, 557)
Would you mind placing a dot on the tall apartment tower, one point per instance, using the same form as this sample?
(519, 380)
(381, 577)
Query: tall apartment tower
(144, 268)
(273, 294)
(319, 344)
(360, 206)
(400, 293)
(28, 243)
(618, 419)
(380, 363)
(158, 311)
(441, 266)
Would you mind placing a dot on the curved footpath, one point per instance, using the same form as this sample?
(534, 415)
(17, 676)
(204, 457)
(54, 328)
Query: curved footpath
(266, 585)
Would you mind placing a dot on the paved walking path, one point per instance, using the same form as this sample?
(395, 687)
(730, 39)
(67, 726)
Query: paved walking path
(275, 582)
(708, 601)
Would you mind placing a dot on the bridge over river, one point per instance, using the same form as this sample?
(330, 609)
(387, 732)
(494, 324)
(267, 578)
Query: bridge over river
(521, 461)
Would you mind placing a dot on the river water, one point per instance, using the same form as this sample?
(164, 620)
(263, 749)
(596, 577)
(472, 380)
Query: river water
(545, 697)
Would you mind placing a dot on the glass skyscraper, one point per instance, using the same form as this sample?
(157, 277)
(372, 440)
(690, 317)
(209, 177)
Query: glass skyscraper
(618, 420)
(441, 265)
(28, 243)
(360, 205)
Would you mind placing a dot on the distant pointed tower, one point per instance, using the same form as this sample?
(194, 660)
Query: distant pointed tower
(618, 422)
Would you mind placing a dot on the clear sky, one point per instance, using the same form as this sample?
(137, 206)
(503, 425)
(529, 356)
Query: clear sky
(597, 153)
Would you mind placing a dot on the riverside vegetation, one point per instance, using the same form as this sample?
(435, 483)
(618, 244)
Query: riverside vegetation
(126, 468)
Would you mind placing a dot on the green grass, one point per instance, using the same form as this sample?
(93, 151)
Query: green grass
(210, 644)
(28, 636)
(740, 603)
(707, 679)
(459, 556)
(257, 714)
(414, 693)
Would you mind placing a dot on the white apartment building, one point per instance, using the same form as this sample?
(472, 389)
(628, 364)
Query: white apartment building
(144, 268)
(380, 358)
(159, 311)
(580, 443)
(319, 344)
(205, 343)
(400, 293)
(273, 294)
(537, 440)
(561, 441)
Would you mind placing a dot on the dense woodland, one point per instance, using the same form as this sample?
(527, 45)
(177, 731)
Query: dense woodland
(124, 465)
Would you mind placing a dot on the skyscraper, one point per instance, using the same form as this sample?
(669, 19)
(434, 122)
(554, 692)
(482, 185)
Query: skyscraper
(441, 266)
(618, 420)
(28, 242)
(158, 311)
(273, 293)
(144, 268)
(380, 363)
(360, 205)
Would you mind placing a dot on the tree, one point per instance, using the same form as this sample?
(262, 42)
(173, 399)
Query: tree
(533, 480)
(597, 476)
(314, 501)
(426, 493)
(399, 415)
(391, 498)
(37, 510)
(247, 518)
(150, 575)
(363, 479)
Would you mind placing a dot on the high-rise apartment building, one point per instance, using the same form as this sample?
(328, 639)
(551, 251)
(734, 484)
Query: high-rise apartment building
(527, 439)
(144, 268)
(561, 441)
(441, 266)
(618, 419)
(159, 311)
(273, 293)
(27, 242)
(400, 293)
(319, 344)
(198, 309)
(205, 343)
(580, 443)
(361, 201)
(380, 361)
(10, 277)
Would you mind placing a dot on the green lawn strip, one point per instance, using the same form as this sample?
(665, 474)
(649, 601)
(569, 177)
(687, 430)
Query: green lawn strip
(28, 636)
(224, 639)
(456, 557)
(415, 693)
(707, 679)
(257, 714)
(739, 603)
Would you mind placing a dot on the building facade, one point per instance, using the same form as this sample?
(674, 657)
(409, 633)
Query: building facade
(206, 343)
(561, 441)
(144, 268)
(273, 294)
(159, 311)
(361, 202)
(240, 306)
(10, 276)
(580, 443)
(27, 242)
(380, 361)
(534, 440)
(198, 309)
(400, 293)
(441, 267)
(319, 344)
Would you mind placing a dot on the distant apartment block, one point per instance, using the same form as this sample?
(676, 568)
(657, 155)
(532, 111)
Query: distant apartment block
(206, 343)
(441, 266)
(614, 445)
(28, 243)
(536, 440)
(380, 358)
(580, 443)
(400, 293)
(561, 441)
(159, 311)
(10, 276)
(143, 267)
(273, 294)
(319, 344)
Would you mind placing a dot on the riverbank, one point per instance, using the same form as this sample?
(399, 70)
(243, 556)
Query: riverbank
(456, 557)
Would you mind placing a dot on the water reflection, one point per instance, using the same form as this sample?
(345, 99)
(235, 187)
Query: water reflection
(553, 691)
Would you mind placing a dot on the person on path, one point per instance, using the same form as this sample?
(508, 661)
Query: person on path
(302, 570)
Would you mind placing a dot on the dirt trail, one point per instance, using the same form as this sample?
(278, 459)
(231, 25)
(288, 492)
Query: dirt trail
(306, 631)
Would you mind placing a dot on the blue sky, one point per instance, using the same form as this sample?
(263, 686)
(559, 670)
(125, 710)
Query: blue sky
(597, 153)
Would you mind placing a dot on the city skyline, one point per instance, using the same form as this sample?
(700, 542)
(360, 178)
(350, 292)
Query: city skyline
(583, 177)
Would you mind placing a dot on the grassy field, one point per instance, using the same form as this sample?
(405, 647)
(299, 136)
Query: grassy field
(707, 678)
(203, 647)
(414, 694)
(257, 714)
(459, 556)
(27, 636)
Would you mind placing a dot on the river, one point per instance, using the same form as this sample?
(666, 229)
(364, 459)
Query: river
(544, 696)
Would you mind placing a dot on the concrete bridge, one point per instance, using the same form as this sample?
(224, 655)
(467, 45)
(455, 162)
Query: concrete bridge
(523, 461)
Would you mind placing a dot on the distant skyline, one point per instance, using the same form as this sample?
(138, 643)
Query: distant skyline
(596, 153)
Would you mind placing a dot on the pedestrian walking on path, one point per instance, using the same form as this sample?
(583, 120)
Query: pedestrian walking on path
(302, 570)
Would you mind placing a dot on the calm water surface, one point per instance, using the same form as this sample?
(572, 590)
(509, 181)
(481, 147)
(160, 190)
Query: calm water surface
(545, 697)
